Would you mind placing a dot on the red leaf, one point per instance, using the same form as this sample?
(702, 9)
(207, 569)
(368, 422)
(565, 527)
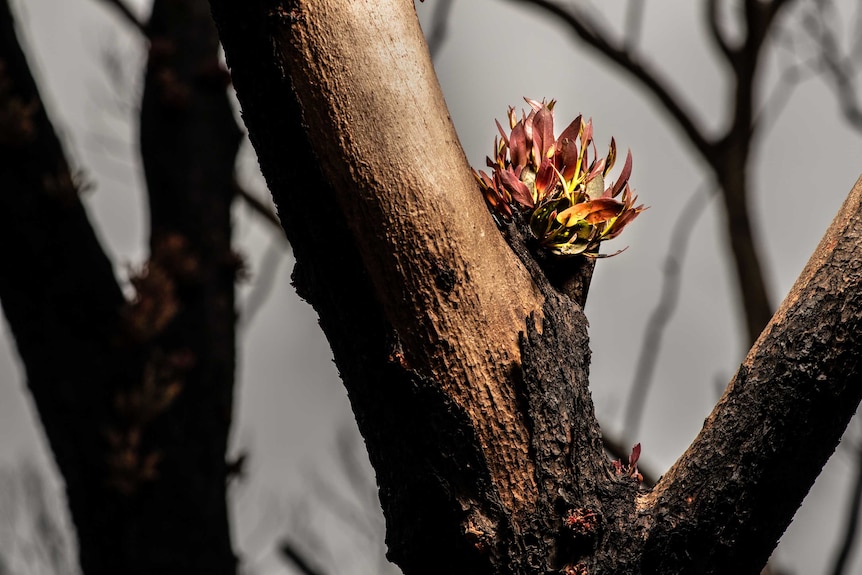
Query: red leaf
(518, 145)
(592, 212)
(543, 133)
(633, 458)
(545, 178)
(567, 152)
(624, 177)
(502, 133)
(572, 132)
(519, 190)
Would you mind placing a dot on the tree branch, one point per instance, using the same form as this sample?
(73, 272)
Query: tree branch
(255, 204)
(446, 384)
(662, 313)
(713, 17)
(837, 69)
(58, 290)
(259, 207)
(451, 227)
(634, 23)
(589, 32)
(292, 554)
(128, 16)
(752, 464)
(439, 26)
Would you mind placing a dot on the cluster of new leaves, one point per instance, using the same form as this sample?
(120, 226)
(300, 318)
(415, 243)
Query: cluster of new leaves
(630, 469)
(557, 183)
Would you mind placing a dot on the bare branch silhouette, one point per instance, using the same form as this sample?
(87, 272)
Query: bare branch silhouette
(290, 552)
(439, 26)
(634, 23)
(835, 67)
(261, 208)
(253, 202)
(264, 280)
(716, 33)
(588, 30)
(128, 15)
(663, 312)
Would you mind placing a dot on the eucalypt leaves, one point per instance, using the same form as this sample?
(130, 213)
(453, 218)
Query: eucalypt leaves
(556, 185)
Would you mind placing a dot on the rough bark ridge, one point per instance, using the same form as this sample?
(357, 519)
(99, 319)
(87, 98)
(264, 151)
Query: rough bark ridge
(135, 397)
(469, 377)
(780, 419)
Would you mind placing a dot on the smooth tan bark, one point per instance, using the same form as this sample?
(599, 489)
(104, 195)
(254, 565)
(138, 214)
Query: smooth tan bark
(450, 285)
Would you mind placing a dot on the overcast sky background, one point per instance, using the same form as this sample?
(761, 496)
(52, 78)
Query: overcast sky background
(291, 409)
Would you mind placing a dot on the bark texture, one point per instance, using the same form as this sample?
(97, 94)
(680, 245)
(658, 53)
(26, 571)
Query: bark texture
(466, 367)
(740, 482)
(135, 397)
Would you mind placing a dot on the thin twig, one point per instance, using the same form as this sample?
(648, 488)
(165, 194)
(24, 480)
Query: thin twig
(128, 15)
(263, 282)
(779, 97)
(291, 553)
(439, 26)
(713, 17)
(591, 33)
(260, 208)
(634, 24)
(255, 204)
(837, 69)
(663, 311)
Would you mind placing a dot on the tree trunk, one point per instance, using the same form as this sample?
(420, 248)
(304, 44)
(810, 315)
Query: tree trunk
(466, 369)
(135, 397)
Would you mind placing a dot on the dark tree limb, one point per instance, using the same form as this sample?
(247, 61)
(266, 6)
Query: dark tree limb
(135, 397)
(189, 141)
(258, 207)
(661, 314)
(754, 462)
(59, 295)
(590, 33)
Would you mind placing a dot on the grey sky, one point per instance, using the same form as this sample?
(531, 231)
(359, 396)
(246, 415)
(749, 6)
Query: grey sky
(291, 405)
